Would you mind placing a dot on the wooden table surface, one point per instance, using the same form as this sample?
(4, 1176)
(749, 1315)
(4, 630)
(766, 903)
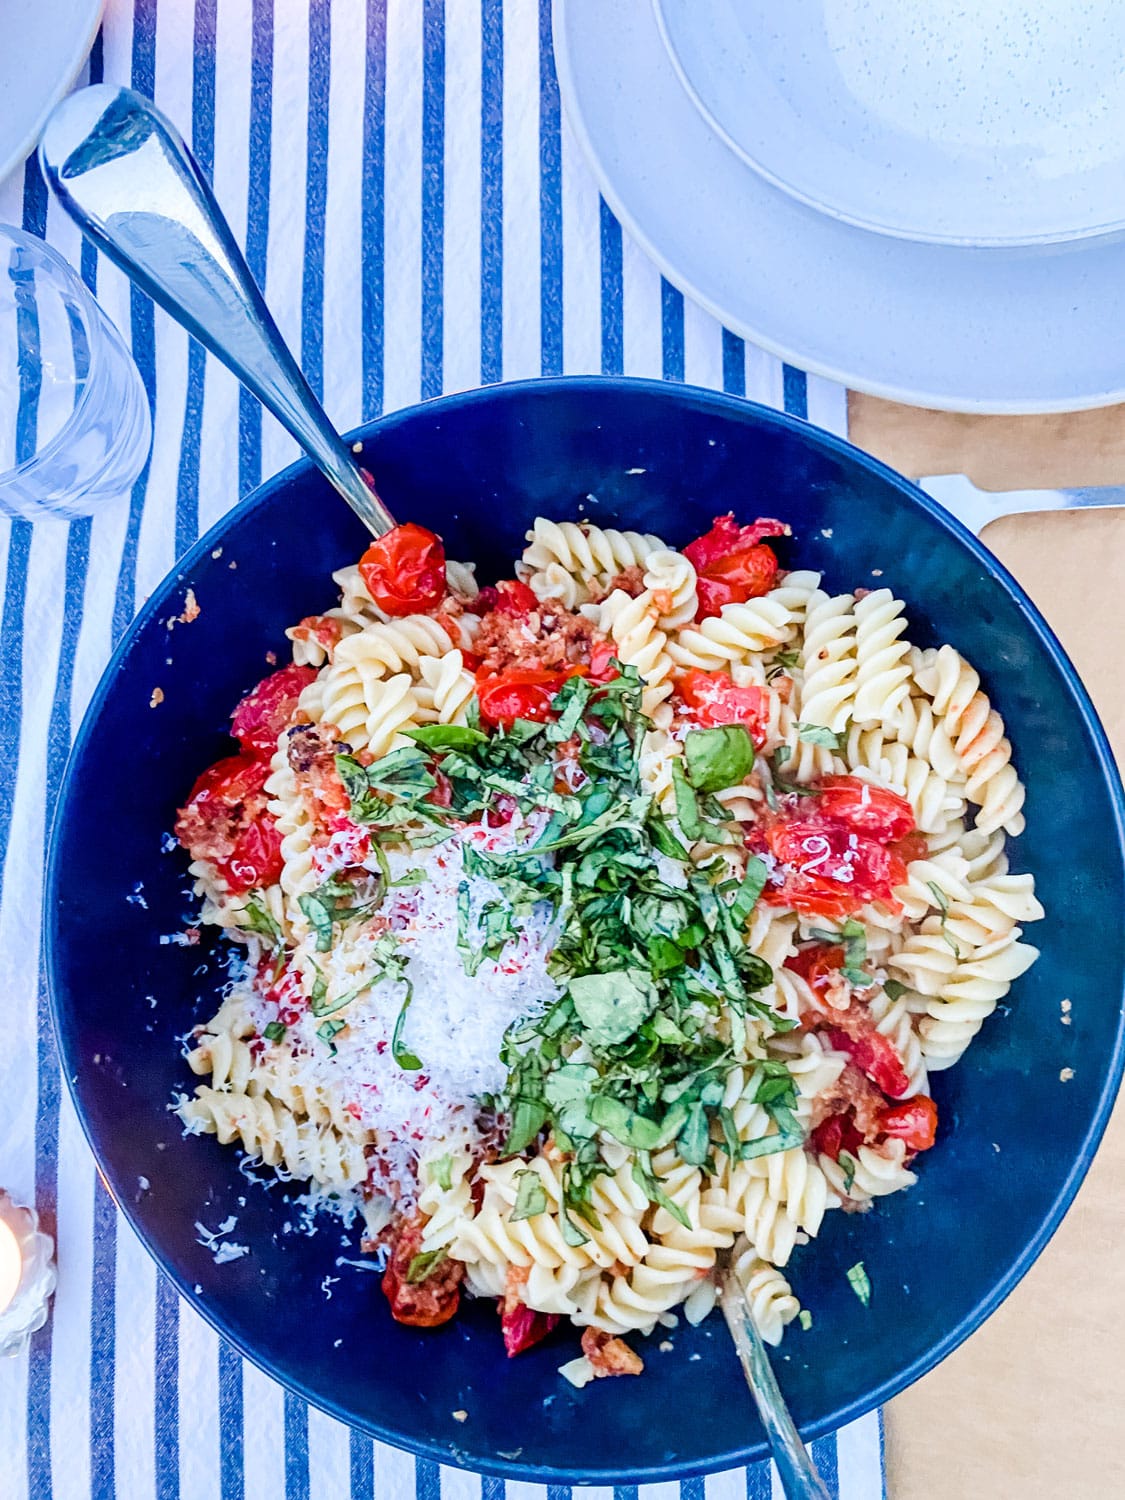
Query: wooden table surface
(1030, 1406)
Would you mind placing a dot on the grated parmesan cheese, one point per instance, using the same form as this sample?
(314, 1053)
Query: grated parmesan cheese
(455, 1024)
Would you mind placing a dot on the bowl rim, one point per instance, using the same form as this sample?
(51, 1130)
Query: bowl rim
(721, 403)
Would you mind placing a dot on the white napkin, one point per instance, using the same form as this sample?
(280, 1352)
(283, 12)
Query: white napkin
(346, 146)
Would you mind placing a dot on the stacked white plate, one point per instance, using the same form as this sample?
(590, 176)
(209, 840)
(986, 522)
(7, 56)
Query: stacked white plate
(920, 198)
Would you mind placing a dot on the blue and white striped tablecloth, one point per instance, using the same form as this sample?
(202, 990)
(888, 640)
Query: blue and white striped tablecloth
(412, 201)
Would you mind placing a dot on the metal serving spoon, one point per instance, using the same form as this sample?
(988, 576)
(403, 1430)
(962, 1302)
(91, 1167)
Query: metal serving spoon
(795, 1467)
(123, 173)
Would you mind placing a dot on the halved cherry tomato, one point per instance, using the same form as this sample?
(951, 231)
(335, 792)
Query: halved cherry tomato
(515, 598)
(523, 1326)
(602, 653)
(267, 709)
(830, 871)
(913, 1121)
(817, 964)
(867, 809)
(404, 571)
(521, 693)
(714, 699)
(874, 1054)
(426, 1303)
(225, 822)
(731, 563)
(910, 848)
(835, 1134)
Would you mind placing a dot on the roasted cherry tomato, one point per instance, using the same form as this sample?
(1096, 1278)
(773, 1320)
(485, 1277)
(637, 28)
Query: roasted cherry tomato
(426, 1303)
(837, 1133)
(520, 693)
(714, 699)
(829, 870)
(910, 848)
(864, 808)
(515, 598)
(226, 823)
(914, 1121)
(404, 571)
(817, 964)
(268, 708)
(874, 1054)
(523, 1326)
(731, 564)
(602, 654)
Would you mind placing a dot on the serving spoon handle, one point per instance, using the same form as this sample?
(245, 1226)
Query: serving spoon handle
(121, 170)
(795, 1468)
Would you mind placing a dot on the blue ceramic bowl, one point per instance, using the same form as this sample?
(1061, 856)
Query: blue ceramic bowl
(1016, 1140)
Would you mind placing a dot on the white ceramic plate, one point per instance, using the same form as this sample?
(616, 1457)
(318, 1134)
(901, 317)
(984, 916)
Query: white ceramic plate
(43, 44)
(1000, 122)
(1018, 330)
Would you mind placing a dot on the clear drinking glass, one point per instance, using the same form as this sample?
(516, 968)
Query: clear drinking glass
(74, 419)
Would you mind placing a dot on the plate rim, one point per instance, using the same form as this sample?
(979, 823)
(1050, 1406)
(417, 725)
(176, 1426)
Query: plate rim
(303, 468)
(1056, 237)
(687, 283)
(67, 75)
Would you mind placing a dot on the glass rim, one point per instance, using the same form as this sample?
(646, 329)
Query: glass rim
(94, 320)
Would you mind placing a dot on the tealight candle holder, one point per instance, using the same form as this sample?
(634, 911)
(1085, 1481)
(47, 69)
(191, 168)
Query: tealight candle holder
(27, 1275)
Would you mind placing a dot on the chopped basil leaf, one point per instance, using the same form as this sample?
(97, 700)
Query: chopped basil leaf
(782, 756)
(445, 736)
(531, 1197)
(612, 1006)
(441, 1171)
(859, 1282)
(941, 901)
(718, 758)
(425, 1265)
(818, 734)
(849, 1164)
(687, 807)
(528, 1118)
(274, 1031)
(258, 918)
(893, 989)
(327, 1031)
(401, 1054)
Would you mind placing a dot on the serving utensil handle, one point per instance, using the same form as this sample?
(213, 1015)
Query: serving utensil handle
(795, 1468)
(123, 173)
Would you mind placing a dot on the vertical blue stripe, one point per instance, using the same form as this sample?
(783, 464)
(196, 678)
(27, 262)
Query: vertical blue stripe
(203, 145)
(166, 1396)
(624, 1492)
(433, 193)
(361, 1463)
(103, 1335)
(824, 1456)
(613, 293)
(39, 1473)
(143, 326)
(671, 331)
(427, 1479)
(550, 203)
(734, 364)
(692, 1489)
(316, 195)
(232, 1483)
(103, 1302)
(795, 387)
(260, 157)
(759, 1482)
(371, 228)
(296, 1448)
(492, 1489)
(559, 1492)
(491, 191)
